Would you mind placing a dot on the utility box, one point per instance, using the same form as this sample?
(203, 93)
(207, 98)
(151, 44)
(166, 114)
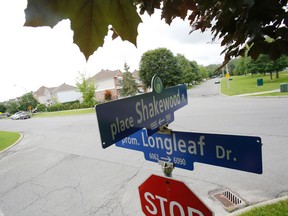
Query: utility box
(260, 82)
(283, 87)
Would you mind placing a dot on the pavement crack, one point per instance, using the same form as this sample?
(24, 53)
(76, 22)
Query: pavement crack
(112, 204)
(45, 197)
(19, 184)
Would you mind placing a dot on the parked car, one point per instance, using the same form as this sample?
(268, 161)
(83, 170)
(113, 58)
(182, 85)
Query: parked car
(3, 115)
(20, 115)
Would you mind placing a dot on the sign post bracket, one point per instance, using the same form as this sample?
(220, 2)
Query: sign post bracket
(167, 167)
(164, 130)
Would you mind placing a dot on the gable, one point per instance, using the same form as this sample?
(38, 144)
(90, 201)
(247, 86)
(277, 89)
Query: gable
(64, 87)
(104, 75)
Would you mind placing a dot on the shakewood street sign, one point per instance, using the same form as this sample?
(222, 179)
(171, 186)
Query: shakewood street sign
(164, 196)
(184, 148)
(121, 118)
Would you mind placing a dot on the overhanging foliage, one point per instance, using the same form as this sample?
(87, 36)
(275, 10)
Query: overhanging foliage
(235, 23)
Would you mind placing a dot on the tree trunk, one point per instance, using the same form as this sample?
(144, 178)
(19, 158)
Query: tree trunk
(271, 77)
(277, 74)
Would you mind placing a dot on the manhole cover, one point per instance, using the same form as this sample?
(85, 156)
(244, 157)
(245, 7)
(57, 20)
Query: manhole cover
(229, 200)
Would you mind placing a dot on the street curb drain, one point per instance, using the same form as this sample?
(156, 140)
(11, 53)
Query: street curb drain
(229, 200)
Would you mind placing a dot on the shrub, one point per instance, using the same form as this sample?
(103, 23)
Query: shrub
(55, 107)
(67, 106)
(41, 108)
(76, 105)
(107, 95)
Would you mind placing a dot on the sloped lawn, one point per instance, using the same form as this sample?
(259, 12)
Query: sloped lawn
(248, 84)
(7, 139)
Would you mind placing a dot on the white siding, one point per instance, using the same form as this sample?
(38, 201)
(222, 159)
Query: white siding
(105, 84)
(45, 98)
(67, 96)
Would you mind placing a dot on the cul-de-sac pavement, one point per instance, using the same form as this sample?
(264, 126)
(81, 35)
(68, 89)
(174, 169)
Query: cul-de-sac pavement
(59, 167)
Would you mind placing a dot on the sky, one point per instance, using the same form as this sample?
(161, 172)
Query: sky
(33, 57)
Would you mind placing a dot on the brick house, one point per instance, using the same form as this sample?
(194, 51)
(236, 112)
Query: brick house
(107, 80)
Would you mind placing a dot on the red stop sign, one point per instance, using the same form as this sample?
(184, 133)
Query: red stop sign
(164, 196)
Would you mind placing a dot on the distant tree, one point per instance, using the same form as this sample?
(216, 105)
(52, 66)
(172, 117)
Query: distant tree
(240, 67)
(160, 62)
(196, 70)
(249, 65)
(279, 64)
(28, 102)
(188, 75)
(129, 87)
(2, 107)
(12, 106)
(212, 70)
(87, 89)
(232, 66)
(263, 64)
(126, 67)
(203, 71)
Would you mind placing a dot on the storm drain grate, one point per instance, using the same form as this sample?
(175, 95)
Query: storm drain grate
(229, 200)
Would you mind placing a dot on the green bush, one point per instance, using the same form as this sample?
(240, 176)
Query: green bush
(55, 107)
(2, 107)
(76, 105)
(86, 105)
(41, 108)
(68, 106)
(107, 95)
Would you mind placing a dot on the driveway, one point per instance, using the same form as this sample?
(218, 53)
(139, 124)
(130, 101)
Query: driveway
(59, 167)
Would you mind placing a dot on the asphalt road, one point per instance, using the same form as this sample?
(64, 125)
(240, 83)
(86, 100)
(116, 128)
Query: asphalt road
(59, 167)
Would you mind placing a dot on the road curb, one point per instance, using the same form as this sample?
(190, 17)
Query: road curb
(11, 146)
(258, 205)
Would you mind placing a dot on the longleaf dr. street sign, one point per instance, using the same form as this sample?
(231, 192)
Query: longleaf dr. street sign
(184, 148)
(121, 118)
(165, 196)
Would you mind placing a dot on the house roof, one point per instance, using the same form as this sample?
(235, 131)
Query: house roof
(105, 74)
(41, 90)
(63, 87)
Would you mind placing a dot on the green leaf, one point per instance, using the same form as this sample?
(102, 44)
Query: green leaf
(43, 13)
(90, 19)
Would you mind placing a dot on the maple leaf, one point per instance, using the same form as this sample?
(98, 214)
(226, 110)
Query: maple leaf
(90, 19)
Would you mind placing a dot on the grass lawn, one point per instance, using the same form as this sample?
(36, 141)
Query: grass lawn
(64, 113)
(7, 139)
(278, 209)
(248, 84)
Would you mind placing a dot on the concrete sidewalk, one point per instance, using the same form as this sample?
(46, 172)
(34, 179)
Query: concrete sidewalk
(257, 93)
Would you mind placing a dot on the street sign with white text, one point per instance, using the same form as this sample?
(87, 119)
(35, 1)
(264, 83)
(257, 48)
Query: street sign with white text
(121, 118)
(184, 148)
